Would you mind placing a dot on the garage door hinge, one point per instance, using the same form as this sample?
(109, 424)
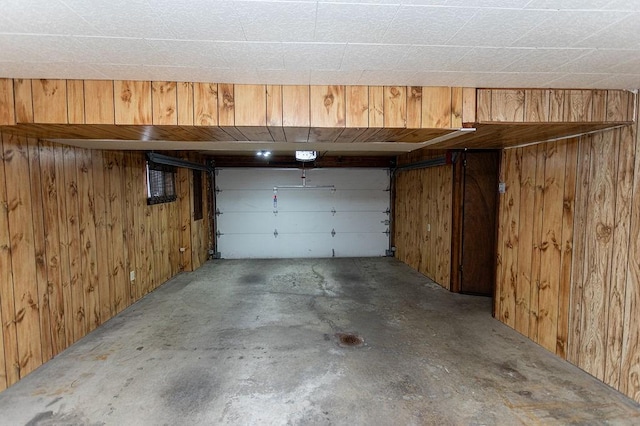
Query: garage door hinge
(387, 232)
(333, 210)
(275, 212)
(333, 233)
(387, 211)
(218, 212)
(386, 222)
(218, 234)
(218, 190)
(275, 233)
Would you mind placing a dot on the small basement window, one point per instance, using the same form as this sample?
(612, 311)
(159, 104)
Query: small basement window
(161, 183)
(197, 195)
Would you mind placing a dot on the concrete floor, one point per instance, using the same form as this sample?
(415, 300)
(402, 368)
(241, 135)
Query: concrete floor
(256, 342)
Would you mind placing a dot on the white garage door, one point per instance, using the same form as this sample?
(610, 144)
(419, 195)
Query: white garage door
(258, 217)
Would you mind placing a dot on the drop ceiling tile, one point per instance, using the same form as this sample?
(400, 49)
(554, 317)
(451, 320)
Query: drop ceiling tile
(579, 80)
(241, 55)
(190, 53)
(120, 51)
(624, 5)
(505, 79)
(629, 65)
(390, 2)
(488, 59)
(620, 81)
(567, 4)
(121, 18)
(622, 35)
(424, 2)
(353, 23)
(54, 70)
(123, 71)
(498, 27)
(426, 25)
(239, 76)
(384, 77)
(19, 48)
(276, 21)
(42, 17)
(252, 55)
(334, 77)
(319, 56)
(437, 78)
(566, 29)
(283, 76)
(544, 60)
(200, 19)
(432, 58)
(502, 4)
(372, 56)
(599, 61)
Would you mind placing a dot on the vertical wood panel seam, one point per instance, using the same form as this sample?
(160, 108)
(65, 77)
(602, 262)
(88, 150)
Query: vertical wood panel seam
(634, 136)
(44, 248)
(16, 350)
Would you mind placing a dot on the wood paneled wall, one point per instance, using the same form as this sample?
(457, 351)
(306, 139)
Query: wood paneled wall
(554, 106)
(568, 265)
(73, 224)
(257, 107)
(422, 221)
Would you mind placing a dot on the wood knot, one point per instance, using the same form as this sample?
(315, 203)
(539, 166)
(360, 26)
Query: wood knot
(20, 315)
(227, 100)
(603, 232)
(328, 101)
(416, 92)
(394, 92)
(8, 155)
(14, 204)
(126, 95)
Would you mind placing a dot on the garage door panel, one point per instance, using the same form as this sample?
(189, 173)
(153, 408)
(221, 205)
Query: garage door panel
(325, 200)
(292, 222)
(245, 200)
(349, 220)
(301, 245)
(242, 178)
(302, 200)
(247, 222)
(350, 244)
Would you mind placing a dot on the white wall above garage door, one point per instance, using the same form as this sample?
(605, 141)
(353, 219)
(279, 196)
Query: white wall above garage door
(350, 221)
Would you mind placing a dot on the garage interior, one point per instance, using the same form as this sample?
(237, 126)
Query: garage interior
(461, 247)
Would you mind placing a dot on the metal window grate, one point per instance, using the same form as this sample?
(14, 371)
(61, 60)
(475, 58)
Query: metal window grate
(161, 183)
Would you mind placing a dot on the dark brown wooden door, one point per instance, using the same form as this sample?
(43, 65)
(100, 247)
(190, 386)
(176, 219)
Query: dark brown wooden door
(480, 192)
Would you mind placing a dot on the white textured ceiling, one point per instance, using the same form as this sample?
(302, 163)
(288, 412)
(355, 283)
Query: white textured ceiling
(477, 43)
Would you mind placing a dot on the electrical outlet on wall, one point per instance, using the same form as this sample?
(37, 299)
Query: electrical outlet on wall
(428, 227)
(132, 276)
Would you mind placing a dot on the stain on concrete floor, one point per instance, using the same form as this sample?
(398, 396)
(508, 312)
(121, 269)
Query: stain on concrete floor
(255, 342)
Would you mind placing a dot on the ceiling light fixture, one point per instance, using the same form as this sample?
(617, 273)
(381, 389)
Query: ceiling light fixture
(306, 156)
(263, 153)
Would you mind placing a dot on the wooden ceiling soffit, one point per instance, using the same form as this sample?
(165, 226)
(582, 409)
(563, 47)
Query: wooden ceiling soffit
(508, 135)
(215, 133)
